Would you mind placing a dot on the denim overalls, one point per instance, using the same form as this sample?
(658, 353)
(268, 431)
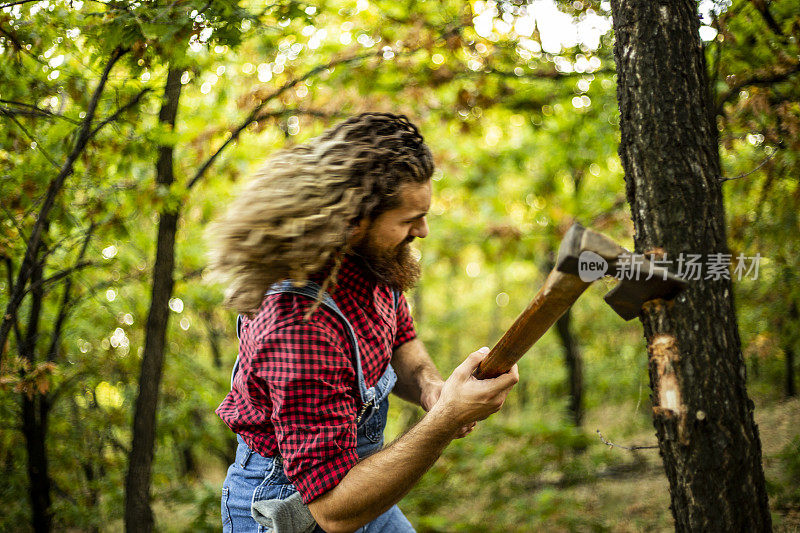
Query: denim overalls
(253, 478)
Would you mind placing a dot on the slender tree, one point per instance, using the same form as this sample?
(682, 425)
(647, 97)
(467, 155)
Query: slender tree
(669, 150)
(574, 364)
(138, 515)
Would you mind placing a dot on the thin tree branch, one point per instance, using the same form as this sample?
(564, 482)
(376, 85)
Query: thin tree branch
(17, 292)
(317, 113)
(28, 110)
(118, 445)
(62, 493)
(13, 220)
(763, 8)
(537, 75)
(192, 274)
(18, 46)
(6, 112)
(27, 350)
(757, 80)
(9, 269)
(62, 387)
(235, 132)
(60, 275)
(10, 273)
(764, 162)
(19, 2)
(35, 111)
(630, 448)
(118, 112)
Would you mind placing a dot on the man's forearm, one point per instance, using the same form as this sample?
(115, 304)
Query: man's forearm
(416, 373)
(381, 480)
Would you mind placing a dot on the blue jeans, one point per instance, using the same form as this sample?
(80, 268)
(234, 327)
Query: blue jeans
(253, 478)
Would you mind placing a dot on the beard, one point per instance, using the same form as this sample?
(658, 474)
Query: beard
(394, 266)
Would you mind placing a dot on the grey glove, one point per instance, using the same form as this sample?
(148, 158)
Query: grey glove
(284, 516)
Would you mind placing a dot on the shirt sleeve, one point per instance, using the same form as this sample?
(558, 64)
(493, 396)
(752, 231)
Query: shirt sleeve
(405, 324)
(311, 384)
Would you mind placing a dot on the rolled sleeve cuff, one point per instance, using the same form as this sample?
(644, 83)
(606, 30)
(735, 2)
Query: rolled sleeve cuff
(317, 481)
(403, 338)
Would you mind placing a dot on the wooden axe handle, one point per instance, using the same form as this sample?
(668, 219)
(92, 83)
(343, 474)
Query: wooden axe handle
(558, 293)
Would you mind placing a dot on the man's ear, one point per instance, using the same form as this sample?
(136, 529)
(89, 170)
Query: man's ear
(358, 231)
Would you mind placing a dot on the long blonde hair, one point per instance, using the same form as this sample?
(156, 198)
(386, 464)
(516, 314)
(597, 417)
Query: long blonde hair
(293, 218)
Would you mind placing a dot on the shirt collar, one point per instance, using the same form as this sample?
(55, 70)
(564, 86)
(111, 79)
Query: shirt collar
(354, 278)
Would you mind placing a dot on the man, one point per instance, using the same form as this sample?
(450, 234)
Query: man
(320, 353)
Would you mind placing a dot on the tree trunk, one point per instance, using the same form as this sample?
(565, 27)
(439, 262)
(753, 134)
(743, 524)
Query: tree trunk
(34, 416)
(669, 150)
(790, 338)
(790, 389)
(138, 515)
(572, 358)
(572, 355)
(213, 338)
(34, 409)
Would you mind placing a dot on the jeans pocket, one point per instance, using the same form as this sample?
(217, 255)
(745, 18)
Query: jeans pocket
(226, 513)
(275, 486)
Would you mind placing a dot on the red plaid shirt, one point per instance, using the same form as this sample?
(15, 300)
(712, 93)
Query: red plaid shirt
(296, 392)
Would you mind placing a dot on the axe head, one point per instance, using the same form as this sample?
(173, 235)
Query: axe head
(592, 255)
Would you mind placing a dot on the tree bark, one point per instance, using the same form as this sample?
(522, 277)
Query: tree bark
(791, 391)
(572, 355)
(669, 149)
(574, 362)
(138, 514)
(213, 338)
(790, 338)
(35, 408)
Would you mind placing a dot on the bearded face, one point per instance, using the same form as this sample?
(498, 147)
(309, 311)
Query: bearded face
(392, 265)
(383, 243)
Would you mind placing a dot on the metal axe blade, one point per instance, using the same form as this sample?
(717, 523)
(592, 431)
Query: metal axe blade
(648, 281)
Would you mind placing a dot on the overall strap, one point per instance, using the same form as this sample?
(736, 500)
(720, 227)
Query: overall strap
(239, 338)
(395, 299)
(311, 290)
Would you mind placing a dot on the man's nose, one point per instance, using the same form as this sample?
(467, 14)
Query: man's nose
(420, 229)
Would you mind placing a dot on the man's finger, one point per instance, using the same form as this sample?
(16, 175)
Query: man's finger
(510, 378)
(466, 430)
(472, 361)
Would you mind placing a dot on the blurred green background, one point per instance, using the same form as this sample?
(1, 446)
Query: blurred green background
(516, 100)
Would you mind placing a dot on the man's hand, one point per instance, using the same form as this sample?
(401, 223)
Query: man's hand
(465, 399)
(430, 395)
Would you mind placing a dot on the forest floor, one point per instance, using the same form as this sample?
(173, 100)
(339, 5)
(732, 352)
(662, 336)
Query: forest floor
(638, 500)
(543, 485)
(528, 472)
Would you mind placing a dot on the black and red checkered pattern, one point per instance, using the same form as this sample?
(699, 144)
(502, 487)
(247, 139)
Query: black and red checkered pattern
(295, 393)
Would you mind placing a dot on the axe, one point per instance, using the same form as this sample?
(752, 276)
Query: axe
(581, 257)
